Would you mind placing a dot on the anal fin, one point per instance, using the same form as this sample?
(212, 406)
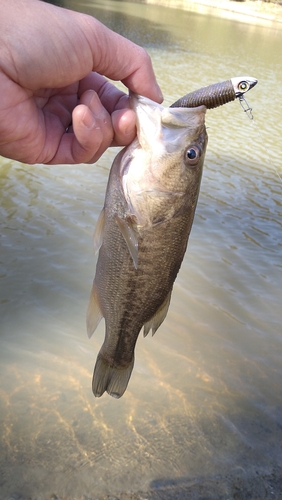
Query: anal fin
(158, 317)
(94, 313)
(113, 379)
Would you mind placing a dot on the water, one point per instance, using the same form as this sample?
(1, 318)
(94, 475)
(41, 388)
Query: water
(203, 410)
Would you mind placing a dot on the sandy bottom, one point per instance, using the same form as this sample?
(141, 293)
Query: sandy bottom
(237, 486)
(260, 485)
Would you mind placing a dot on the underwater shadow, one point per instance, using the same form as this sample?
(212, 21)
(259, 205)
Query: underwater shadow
(240, 484)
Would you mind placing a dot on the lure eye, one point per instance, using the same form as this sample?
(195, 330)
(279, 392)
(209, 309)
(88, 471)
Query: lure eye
(192, 155)
(243, 86)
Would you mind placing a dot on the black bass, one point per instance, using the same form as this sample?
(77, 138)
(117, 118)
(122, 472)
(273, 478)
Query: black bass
(143, 230)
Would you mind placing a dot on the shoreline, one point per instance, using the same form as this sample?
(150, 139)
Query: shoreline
(250, 11)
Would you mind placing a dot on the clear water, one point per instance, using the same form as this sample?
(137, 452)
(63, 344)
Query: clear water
(205, 397)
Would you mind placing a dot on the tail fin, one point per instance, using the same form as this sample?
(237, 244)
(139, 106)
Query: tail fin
(113, 379)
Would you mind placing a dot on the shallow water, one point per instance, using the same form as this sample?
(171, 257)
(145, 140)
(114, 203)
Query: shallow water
(205, 396)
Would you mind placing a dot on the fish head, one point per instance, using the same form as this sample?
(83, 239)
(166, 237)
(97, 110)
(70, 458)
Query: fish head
(167, 157)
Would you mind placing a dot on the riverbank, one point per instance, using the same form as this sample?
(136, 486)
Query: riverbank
(249, 11)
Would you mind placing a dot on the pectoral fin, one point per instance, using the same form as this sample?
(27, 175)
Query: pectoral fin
(94, 313)
(158, 318)
(99, 231)
(130, 236)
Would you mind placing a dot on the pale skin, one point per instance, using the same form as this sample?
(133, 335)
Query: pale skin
(56, 105)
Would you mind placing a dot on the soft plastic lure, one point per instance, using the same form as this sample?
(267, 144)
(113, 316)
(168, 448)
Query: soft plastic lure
(218, 94)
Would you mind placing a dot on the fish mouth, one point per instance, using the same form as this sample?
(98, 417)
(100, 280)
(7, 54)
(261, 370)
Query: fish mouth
(161, 129)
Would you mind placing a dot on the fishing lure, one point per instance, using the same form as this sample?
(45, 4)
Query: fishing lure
(218, 94)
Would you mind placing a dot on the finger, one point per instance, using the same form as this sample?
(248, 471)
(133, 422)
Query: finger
(92, 133)
(124, 125)
(60, 59)
(130, 63)
(110, 96)
(70, 46)
(92, 127)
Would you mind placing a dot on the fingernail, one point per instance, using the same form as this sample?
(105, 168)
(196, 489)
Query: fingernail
(95, 105)
(95, 108)
(161, 97)
(88, 119)
(128, 131)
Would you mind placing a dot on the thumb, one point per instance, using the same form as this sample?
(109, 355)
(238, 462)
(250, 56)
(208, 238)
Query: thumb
(120, 59)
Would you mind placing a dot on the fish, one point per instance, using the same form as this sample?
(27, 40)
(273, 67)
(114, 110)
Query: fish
(142, 233)
(143, 230)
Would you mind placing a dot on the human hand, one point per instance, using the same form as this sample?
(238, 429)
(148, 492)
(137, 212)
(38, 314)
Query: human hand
(56, 107)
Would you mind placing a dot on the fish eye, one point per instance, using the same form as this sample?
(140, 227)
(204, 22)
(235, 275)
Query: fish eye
(243, 86)
(192, 155)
